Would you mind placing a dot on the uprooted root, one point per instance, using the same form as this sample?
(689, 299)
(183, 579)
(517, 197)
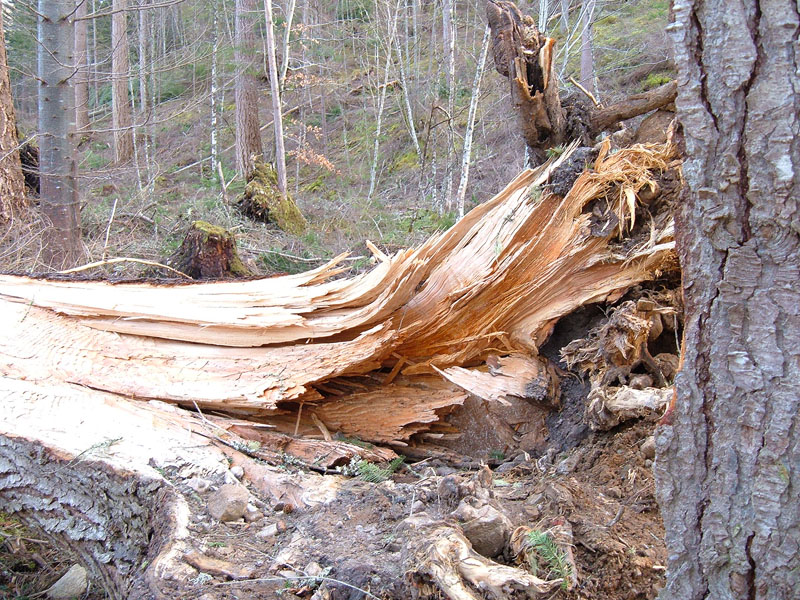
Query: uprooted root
(444, 561)
(611, 351)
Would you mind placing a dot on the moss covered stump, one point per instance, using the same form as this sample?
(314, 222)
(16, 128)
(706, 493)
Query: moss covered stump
(208, 252)
(264, 202)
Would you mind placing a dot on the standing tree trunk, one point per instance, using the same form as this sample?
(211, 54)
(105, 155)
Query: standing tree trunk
(12, 183)
(280, 153)
(473, 109)
(120, 67)
(729, 450)
(57, 166)
(587, 52)
(81, 67)
(248, 133)
(287, 32)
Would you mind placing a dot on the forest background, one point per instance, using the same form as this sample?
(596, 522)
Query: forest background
(375, 97)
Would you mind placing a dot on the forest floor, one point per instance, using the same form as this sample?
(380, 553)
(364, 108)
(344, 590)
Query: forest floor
(601, 491)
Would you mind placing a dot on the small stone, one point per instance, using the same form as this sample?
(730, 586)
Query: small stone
(72, 584)
(485, 527)
(237, 471)
(198, 484)
(269, 531)
(228, 503)
(417, 507)
(252, 514)
(641, 381)
(230, 478)
(648, 448)
(313, 569)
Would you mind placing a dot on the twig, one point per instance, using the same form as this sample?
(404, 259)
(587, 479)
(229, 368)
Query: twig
(113, 261)
(298, 578)
(585, 91)
(108, 229)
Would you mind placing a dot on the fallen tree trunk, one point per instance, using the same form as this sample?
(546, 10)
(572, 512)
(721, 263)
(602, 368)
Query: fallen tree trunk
(303, 364)
(495, 283)
(526, 57)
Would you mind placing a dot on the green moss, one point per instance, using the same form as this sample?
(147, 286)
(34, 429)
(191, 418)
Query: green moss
(405, 161)
(235, 265)
(262, 200)
(655, 79)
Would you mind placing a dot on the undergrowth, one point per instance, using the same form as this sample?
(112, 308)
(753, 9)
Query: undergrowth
(545, 555)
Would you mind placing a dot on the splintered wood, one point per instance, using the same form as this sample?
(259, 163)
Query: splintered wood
(380, 356)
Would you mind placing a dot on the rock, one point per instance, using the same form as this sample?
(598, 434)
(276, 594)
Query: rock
(485, 527)
(237, 471)
(648, 448)
(418, 506)
(72, 584)
(229, 502)
(198, 484)
(641, 381)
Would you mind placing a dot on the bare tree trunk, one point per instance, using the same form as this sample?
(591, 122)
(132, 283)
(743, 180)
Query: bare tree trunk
(473, 109)
(728, 457)
(120, 67)
(57, 165)
(248, 133)
(285, 46)
(373, 176)
(449, 41)
(81, 68)
(214, 92)
(587, 53)
(12, 182)
(277, 126)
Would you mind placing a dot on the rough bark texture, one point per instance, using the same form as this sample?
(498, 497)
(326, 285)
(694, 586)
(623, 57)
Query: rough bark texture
(120, 102)
(248, 134)
(58, 169)
(12, 184)
(84, 467)
(82, 69)
(729, 450)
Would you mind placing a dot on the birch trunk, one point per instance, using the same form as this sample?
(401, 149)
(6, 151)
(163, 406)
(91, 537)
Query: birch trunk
(12, 183)
(214, 92)
(120, 67)
(285, 46)
(277, 117)
(57, 166)
(449, 38)
(373, 176)
(473, 109)
(248, 133)
(728, 453)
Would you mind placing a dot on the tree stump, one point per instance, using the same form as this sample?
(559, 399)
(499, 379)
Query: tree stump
(263, 201)
(208, 252)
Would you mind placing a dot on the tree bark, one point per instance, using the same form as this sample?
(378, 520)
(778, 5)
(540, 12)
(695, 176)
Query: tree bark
(12, 182)
(248, 134)
(120, 67)
(729, 449)
(81, 68)
(57, 181)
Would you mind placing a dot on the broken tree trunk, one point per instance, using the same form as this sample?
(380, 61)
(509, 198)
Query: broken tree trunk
(208, 252)
(283, 349)
(304, 364)
(526, 56)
